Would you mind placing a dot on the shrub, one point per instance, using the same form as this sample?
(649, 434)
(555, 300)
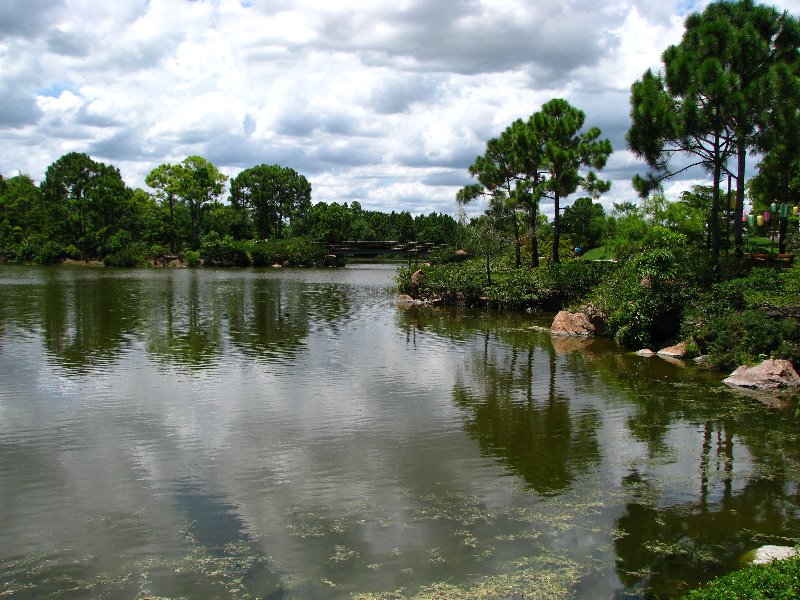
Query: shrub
(548, 287)
(642, 303)
(780, 579)
(224, 252)
(132, 255)
(48, 253)
(744, 320)
(36, 248)
(292, 251)
(264, 253)
(747, 337)
(192, 258)
(157, 252)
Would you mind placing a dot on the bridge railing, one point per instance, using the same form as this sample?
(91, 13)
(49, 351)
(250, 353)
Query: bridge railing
(379, 247)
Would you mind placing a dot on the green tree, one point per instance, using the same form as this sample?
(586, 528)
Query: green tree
(585, 221)
(437, 228)
(401, 226)
(565, 153)
(165, 180)
(528, 155)
(487, 238)
(327, 222)
(626, 230)
(20, 203)
(83, 201)
(712, 97)
(689, 215)
(497, 175)
(777, 178)
(273, 194)
(198, 183)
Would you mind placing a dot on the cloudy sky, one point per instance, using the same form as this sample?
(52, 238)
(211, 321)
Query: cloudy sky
(382, 101)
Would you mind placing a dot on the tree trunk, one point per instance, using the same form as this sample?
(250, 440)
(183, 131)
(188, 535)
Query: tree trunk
(556, 232)
(534, 238)
(714, 216)
(784, 199)
(171, 203)
(738, 237)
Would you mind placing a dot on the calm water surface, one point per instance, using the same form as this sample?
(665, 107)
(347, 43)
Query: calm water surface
(295, 434)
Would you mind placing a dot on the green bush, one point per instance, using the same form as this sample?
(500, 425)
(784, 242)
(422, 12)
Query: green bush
(744, 320)
(192, 258)
(118, 242)
(264, 253)
(49, 253)
(642, 302)
(549, 287)
(294, 252)
(224, 252)
(780, 579)
(72, 252)
(36, 248)
(132, 255)
(157, 252)
(747, 337)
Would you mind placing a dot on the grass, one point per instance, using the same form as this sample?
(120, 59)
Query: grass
(600, 253)
(780, 579)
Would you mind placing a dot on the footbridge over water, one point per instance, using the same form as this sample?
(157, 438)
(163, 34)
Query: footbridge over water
(371, 248)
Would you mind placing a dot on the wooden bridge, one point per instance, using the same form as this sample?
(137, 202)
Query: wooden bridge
(382, 248)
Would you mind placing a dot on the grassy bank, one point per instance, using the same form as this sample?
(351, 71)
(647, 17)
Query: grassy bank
(659, 297)
(548, 288)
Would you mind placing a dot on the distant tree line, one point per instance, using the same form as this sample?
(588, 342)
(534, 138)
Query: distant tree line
(84, 210)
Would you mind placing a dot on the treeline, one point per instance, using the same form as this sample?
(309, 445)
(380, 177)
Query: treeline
(83, 210)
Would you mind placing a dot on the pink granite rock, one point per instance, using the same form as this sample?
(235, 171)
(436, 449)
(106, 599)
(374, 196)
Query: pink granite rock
(769, 375)
(572, 324)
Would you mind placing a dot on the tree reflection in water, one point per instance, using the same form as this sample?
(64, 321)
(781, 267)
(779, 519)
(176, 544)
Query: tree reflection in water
(705, 475)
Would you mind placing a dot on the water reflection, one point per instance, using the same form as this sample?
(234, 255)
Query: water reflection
(515, 409)
(184, 322)
(86, 323)
(704, 474)
(290, 434)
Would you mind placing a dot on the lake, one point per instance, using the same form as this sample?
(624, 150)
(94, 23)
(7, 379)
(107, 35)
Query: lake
(296, 434)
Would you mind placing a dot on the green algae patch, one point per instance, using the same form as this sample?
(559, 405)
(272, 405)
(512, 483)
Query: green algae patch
(535, 579)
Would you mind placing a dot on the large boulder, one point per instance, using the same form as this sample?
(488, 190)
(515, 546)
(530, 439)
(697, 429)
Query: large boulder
(572, 324)
(768, 554)
(678, 351)
(769, 375)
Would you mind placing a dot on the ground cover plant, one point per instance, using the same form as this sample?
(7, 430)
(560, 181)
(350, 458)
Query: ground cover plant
(778, 580)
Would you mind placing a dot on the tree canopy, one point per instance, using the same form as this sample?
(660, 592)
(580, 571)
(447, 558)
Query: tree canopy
(715, 99)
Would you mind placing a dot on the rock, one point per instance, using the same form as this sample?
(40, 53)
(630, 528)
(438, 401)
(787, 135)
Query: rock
(417, 277)
(572, 324)
(769, 375)
(767, 554)
(678, 351)
(277, 266)
(405, 299)
(460, 255)
(646, 352)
